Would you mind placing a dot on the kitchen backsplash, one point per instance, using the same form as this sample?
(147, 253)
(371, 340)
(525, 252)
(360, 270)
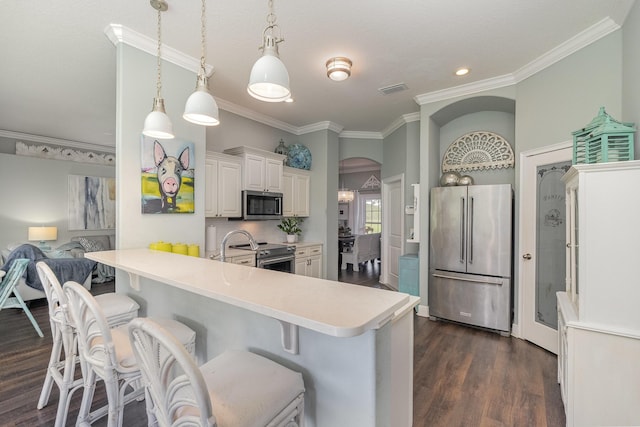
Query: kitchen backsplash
(262, 231)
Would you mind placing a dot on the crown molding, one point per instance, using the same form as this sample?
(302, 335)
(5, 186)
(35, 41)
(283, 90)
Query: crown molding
(255, 116)
(314, 127)
(574, 44)
(466, 89)
(58, 142)
(356, 134)
(399, 122)
(117, 33)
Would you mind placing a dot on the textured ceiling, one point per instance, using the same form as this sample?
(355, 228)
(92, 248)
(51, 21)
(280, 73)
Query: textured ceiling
(58, 73)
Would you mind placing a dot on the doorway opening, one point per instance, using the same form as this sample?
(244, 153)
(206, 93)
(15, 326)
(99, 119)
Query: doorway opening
(359, 221)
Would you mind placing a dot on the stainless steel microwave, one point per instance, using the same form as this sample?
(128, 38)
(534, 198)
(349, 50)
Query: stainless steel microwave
(261, 205)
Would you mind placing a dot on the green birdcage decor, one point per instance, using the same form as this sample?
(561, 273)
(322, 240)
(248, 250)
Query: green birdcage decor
(604, 139)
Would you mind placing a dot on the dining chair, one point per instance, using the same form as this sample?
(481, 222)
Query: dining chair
(118, 309)
(235, 389)
(106, 354)
(8, 287)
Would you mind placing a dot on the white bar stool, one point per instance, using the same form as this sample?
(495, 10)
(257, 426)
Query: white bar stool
(235, 389)
(118, 309)
(106, 354)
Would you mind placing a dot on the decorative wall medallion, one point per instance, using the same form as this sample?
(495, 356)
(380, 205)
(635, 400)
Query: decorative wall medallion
(478, 150)
(371, 183)
(64, 153)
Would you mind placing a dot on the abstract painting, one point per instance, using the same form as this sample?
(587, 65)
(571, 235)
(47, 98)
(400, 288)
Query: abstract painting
(92, 203)
(167, 176)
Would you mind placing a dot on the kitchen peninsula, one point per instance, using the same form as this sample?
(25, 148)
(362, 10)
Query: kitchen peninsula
(352, 344)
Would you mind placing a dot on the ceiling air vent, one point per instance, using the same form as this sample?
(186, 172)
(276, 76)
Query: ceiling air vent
(393, 88)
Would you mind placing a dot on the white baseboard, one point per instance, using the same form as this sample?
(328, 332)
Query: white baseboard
(423, 310)
(515, 330)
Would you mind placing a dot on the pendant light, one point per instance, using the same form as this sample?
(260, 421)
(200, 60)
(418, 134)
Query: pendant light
(157, 124)
(201, 108)
(269, 79)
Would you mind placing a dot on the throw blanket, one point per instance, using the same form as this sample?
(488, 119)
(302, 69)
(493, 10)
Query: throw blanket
(104, 273)
(65, 269)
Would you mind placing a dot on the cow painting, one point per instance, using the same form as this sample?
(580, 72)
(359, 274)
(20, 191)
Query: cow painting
(167, 176)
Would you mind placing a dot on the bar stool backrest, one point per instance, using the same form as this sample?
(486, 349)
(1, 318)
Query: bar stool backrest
(173, 381)
(95, 342)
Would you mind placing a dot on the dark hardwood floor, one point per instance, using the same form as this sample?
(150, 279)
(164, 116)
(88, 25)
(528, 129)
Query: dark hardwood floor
(462, 376)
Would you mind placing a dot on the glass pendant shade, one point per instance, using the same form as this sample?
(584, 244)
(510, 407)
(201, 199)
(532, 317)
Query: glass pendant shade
(201, 108)
(269, 79)
(157, 124)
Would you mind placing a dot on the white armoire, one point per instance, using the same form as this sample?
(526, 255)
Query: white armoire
(599, 314)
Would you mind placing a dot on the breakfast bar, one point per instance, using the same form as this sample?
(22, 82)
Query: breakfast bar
(352, 344)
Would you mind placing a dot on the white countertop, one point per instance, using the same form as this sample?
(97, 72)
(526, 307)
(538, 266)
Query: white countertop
(325, 306)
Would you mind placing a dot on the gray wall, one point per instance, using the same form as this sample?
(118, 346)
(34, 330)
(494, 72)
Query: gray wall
(355, 147)
(135, 92)
(493, 121)
(549, 106)
(35, 192)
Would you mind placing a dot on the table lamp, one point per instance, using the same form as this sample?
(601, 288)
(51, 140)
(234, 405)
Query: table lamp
(43, 234)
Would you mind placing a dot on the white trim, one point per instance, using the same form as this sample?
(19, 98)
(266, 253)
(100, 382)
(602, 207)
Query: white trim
(255, 116)
(58, 142)
(399, 122)
(423, 310)
(467, 89)
(384, 253)
(314, 127)
(546, 149)
(521, 231)
(117, 33)
(356, 134)
(574, 44)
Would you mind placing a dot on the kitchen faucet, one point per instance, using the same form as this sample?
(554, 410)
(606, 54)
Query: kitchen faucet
(223, 245)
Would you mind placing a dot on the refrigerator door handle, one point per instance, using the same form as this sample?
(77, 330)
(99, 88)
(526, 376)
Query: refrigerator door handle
(470, 228)
(468, 279)
(462, 228)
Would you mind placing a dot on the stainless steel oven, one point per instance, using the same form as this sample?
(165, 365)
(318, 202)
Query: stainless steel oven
(285, 263)
(273, 256)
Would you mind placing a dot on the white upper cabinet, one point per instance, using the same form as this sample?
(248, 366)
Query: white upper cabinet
(262, 170)
(223, 175)
(296, 192)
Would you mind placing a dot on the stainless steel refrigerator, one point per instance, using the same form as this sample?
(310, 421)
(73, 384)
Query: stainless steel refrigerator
(471, 255)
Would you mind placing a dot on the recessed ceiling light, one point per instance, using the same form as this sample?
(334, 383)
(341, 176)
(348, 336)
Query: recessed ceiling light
(462, 71)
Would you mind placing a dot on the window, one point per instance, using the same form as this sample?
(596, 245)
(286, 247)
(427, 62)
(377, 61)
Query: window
(372, 209)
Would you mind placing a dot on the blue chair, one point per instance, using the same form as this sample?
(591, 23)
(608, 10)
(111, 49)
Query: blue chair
(8, 287)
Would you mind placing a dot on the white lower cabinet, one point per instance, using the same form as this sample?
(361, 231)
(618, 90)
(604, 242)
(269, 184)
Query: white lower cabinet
(309, 260)
(247, 260)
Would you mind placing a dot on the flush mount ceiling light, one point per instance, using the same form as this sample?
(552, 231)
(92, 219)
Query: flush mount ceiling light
(269, 79)
(462, 71)
(201, 108)
(339, 68)
(157, 124)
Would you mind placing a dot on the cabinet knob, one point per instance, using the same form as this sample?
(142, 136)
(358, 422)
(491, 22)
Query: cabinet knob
(526, 256)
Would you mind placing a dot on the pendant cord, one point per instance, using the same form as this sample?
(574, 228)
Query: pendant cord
(203, 29)
(159, 82)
